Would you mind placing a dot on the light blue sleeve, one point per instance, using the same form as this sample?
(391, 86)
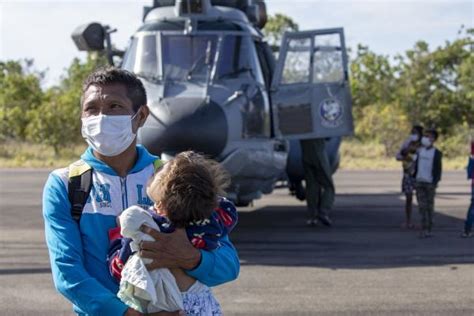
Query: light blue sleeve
(218, 266)
(66, 256)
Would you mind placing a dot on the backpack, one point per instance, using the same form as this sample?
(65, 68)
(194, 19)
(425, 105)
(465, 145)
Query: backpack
(80, 184)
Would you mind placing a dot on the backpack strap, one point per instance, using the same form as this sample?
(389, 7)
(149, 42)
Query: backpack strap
(79, 187)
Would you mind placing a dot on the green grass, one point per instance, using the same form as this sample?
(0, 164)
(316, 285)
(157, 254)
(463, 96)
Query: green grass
(27, 155)
(370, 156)
(354, 156)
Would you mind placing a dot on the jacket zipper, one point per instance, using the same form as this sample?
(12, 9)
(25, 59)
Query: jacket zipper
(123, 184)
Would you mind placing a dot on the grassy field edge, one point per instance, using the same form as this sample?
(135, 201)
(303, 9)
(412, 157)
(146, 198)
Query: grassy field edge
(354, 156)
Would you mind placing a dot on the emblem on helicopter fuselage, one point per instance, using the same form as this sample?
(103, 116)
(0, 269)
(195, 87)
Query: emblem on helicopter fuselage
(331, 112)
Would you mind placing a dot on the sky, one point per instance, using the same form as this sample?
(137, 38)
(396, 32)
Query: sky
(41, 29)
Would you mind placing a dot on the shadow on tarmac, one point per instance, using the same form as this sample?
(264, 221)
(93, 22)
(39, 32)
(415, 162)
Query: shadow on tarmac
(366, 235)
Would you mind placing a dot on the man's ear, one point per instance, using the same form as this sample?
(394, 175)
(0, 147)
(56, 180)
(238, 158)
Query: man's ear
(142, 115)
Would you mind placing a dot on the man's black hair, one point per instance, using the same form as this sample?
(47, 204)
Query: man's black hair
(110, 75)
(434, 132)
(418, 129)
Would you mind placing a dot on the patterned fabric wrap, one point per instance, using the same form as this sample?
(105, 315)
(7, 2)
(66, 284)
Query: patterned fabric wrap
(203, 234)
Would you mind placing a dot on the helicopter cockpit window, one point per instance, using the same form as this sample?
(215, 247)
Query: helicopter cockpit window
(188, 57)
(297, 62)
(130, 55)
(144, 64)
(327, 59)
(238, 58)
(238, 61)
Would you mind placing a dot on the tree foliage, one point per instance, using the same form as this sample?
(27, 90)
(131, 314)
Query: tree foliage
(276, 26)
(431, 87)
(50, 117)
(56, 122)
(20, 93)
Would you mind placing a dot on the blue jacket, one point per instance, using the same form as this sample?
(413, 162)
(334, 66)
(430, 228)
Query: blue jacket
(78, 253)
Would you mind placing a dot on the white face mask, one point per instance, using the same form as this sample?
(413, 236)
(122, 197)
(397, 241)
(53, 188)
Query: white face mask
(414, 137)
(425, 141)
(109, 135)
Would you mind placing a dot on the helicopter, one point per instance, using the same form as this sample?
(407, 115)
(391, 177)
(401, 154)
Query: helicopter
(215, 86)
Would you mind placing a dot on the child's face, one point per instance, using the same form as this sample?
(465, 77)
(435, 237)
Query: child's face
(159, 209)
(160, 172)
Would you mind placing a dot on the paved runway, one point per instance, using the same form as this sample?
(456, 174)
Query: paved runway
(365, 265)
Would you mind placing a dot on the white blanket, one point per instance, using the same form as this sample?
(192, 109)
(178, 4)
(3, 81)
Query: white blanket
(143, 290)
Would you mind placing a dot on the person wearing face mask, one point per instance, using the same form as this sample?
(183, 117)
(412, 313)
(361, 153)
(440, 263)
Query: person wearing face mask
(428, 171)
(113, 108)
(407, 155)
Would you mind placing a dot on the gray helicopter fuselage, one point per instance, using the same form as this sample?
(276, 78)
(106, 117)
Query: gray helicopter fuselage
(208, 91)
(210, 96)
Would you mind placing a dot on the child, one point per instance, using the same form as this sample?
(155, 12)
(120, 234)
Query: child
(428, 169)
(407, 155)
(186, 193)
(470, 212)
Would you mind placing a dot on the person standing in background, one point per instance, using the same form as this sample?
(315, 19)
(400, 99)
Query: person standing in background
(320, 189)
(428, 170)
(407, 155)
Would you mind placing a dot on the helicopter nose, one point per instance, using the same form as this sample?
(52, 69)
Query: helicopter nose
(180, 124)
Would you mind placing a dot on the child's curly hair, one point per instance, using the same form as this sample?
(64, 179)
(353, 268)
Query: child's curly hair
(188, 188)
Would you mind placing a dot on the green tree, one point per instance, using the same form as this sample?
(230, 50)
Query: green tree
(372, 79)
(276, 26)
(56, 122)
(436, 87)
(20, 93)
(384, 124)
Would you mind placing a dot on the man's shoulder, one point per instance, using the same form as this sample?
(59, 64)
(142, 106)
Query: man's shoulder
(61, 173)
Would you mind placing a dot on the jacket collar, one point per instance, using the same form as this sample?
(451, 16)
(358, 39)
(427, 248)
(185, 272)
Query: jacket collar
(144, 159)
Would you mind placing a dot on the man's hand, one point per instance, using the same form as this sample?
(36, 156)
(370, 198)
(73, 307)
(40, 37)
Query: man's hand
(169, 250)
